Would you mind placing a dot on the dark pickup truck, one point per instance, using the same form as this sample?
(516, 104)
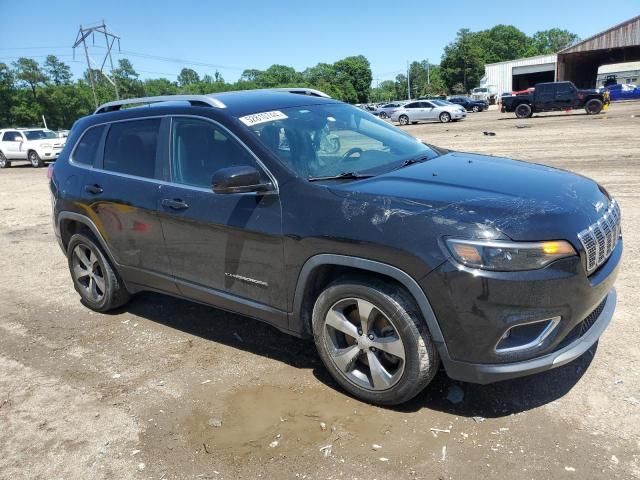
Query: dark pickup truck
(553, 96)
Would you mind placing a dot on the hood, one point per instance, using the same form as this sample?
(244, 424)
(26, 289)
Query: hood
(475, 195)
(51, 141)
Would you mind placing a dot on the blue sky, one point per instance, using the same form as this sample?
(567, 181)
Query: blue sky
(234, 35)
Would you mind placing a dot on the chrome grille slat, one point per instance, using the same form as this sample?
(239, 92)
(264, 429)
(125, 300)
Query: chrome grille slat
(601, 237)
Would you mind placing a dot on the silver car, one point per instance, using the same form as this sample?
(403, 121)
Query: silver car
(427, 110)
(387, 109)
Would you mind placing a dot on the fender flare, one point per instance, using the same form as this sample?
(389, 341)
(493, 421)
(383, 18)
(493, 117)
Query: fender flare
(87, 222)
(373, 266)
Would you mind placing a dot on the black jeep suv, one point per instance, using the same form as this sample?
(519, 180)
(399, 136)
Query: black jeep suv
(392, 254)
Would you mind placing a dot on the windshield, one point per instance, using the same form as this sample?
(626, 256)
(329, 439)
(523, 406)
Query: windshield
(39, 134)
(327, 140)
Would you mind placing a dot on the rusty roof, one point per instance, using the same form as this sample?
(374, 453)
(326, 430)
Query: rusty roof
(625, 34)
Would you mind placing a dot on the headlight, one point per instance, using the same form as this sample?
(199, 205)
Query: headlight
(45, 145)
(508, 256)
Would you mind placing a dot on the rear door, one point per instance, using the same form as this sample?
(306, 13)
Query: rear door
(122, 192)
(12, 142)
(224, 249)
(544, 96)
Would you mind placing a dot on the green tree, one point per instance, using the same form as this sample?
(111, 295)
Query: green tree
(500, 43)
(57, 71)
(7, 93)
(27, 72)
(552, 40)
(279, 76)
(188, 76)
(154, 87)
(127, 80)
(357, 70)
(463, 61)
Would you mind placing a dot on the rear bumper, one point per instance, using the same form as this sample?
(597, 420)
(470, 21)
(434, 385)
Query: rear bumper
(488, 373)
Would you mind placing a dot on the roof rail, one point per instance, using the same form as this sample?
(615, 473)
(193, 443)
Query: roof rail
(199, 100)
(301, 91)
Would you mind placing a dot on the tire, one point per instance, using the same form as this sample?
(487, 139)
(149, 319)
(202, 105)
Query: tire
(445, 117)
(476, 108)
(523, 110)
(593, 106)
(383, 115)
(34, 158)
(390, 314)
(403, 119)
(4, 163)
(98, 284)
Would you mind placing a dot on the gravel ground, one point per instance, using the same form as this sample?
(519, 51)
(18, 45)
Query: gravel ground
(166, 389)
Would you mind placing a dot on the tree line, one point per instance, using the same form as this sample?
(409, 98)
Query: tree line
(29, 89)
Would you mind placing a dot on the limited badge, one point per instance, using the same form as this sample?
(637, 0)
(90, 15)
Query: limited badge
(255, 118)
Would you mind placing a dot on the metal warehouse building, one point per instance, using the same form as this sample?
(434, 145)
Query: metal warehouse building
(578, 63)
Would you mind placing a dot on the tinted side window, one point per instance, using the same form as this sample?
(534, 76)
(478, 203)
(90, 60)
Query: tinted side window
(87, 148)
(200, 148)
(10, 136)
(131, 147)
(412, 105)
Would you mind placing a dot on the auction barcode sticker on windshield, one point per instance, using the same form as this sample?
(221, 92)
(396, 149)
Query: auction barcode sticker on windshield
(256, 118)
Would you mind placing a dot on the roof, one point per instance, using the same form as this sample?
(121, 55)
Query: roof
(625, 34)
(550, 55)
(240, 102)
(619, 67)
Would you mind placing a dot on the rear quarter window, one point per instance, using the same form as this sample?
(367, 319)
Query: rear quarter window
(86, 149)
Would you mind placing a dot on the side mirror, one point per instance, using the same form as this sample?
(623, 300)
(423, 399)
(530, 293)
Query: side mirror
(239, 179)
(19, 139)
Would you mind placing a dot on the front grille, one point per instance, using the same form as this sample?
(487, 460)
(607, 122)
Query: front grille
(600, 238)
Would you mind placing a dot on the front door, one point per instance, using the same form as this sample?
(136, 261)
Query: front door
(224, 249)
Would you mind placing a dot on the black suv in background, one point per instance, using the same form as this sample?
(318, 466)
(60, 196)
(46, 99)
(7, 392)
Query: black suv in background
(469, 104)
(326, 222)
(553, 96)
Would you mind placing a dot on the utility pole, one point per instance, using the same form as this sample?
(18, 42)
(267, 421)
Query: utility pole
(428, 72)
(408, 81)
(110, 39)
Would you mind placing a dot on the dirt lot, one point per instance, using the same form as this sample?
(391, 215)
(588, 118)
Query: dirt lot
(167, 389)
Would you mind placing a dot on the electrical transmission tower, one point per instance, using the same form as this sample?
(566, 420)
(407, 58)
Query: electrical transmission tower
(110, 40)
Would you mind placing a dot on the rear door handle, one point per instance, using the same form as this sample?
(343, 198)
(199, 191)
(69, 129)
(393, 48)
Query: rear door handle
(175, 203)
(93, 189)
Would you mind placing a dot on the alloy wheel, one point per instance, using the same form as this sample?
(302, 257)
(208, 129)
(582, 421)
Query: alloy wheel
(88, 273)
(33, 158)
(363, 344)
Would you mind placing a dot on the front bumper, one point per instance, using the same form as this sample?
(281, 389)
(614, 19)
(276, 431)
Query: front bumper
(458, 115)
(475, 308)
(489, 373)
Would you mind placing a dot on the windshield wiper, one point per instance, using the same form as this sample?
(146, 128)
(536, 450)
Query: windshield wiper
(343, 175)
(411, 161)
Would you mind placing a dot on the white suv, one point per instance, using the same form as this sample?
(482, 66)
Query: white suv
(35, 145)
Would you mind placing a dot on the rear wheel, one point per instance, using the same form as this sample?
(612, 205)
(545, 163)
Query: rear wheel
(373, 341)
(99, 285)
(404, 120)
(445, 117)
(383, 115)
(4, 163)
(523, 111)
(593, 106)
(34, 158)
(476, 108)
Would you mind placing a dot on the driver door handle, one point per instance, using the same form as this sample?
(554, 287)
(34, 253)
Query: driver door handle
(175, 203)
(94, 189)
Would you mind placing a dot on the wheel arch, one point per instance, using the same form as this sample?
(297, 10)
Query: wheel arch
(320, 270)
(70, 223)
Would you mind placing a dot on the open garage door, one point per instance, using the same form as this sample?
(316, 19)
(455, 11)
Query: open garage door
(527, 76)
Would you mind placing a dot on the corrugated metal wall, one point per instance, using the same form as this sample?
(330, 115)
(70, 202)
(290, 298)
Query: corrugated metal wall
(501, 74)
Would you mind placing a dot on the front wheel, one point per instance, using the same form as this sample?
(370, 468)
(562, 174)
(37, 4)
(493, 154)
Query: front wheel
(404, 120)
(445, 117)
(34, 158)
(593, 106)
(373, 341)
(383, 115)
(4, 163)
